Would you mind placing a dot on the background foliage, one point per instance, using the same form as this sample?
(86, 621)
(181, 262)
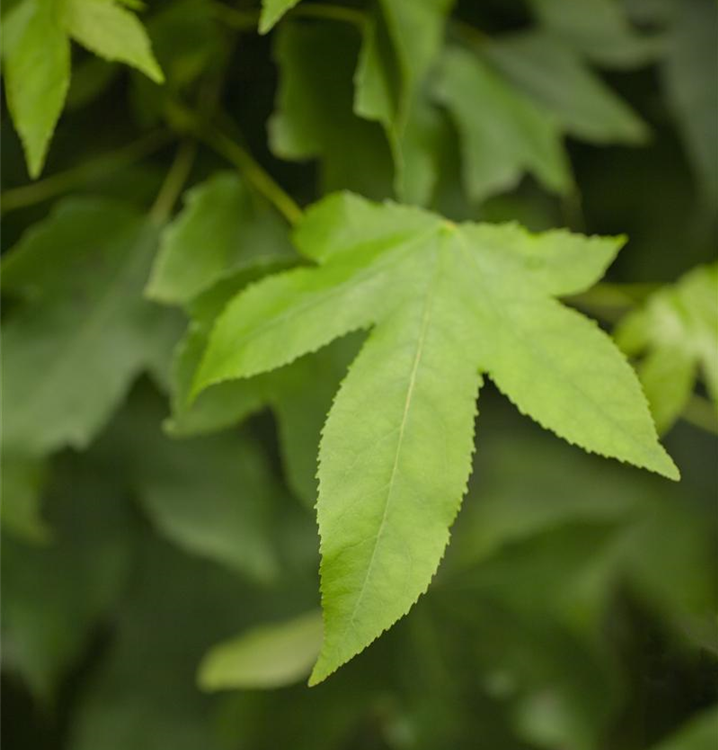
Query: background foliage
(159, 560)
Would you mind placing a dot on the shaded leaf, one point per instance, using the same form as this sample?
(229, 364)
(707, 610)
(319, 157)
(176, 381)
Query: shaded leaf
(517, 137)
(556, 78)
(72, 351)
(272, 11)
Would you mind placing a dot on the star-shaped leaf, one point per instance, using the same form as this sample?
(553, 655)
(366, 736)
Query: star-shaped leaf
(448, 303)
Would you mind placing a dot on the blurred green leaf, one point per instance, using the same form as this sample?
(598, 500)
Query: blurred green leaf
(518, 137)
(690, 77)
(676, 331)
(600, 29)
(54, 596)
(22, 482)
(700, 734)
(72, 351)
(314, 115)
(557, 79)
(265, 657)
(222, 228)
(272, 11)
(401, 41)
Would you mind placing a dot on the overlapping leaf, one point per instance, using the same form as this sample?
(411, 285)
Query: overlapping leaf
(36, 53)
(448, 303)
(677, 330)
(314, 115)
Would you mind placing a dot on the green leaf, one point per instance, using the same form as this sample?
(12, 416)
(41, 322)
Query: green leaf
(22, 481)
(518, 135)
(448, 303)
(86, 333)
(314, 115)
(111, 32)
(555, 77)
(676, 330)
(268, 656)
(401, 42)
(272, 11)
(222, 228)
(36, 56)
(213, 497)
(691, 83)
(599, 29)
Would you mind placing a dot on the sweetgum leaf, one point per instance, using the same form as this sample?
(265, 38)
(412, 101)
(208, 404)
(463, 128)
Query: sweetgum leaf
(222, 228)
(600, 29)
(519, 137)
(676, 331)
(556, 77)
(36, 56)
(447, 303)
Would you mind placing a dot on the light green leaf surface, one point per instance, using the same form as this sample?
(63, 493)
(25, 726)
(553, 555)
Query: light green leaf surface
(36, 58)
(272, 11)
(517, 137)
(690, 76)
(448, 303)
(111, 32)
(677, 330)
(222, 228)
(555, 77)
(266, 657)
(600, 29)
(72, 351)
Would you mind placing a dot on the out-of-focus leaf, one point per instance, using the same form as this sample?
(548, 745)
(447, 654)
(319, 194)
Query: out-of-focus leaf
(142, 694)
(222, 228)
(314, 117)
(518, 137)
(214, 497)
(676, 330)
(401, 42)
(265, 657)
(557, 79)
(22, 481)
(73, 349)
(690, 75)
(600, 29)
(272, 11)
(36, 57)
(111, 32)
(54, 595)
